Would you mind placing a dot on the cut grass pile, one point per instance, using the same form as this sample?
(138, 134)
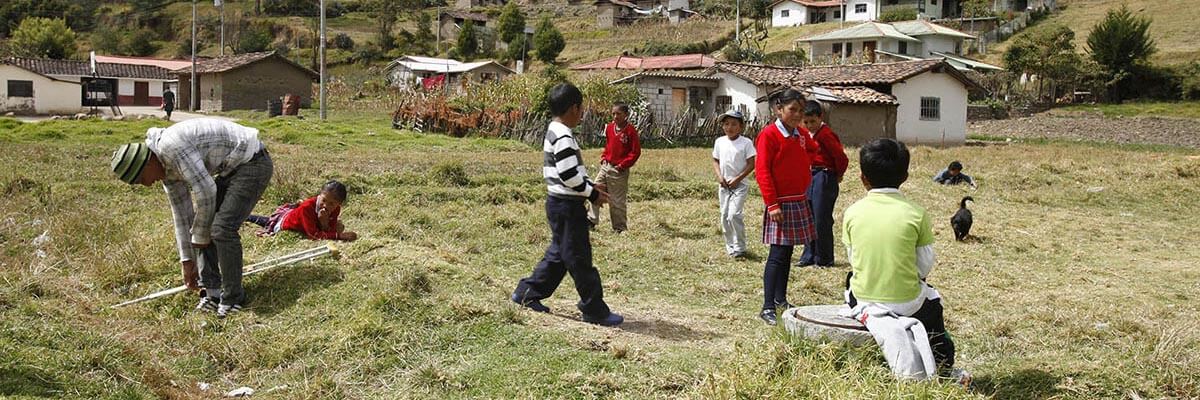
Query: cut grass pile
(1081, 282)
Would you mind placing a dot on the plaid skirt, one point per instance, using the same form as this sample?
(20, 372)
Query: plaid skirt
(274, 221)
(796, 229)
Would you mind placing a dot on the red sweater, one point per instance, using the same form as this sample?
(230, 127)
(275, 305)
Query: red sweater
(829, 152)
(782, 167)
(303, 219)
(621, 148)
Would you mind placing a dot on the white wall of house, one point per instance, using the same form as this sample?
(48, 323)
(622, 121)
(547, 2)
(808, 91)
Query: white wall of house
(852, 6)
(821, 51)
(949, 128)
(796, 14)
(939, 43)
(742, 95)
(125, 86)
(49, 96)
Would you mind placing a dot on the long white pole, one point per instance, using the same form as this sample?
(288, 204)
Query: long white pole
(222, 7)
(193, 96)
(322, 60)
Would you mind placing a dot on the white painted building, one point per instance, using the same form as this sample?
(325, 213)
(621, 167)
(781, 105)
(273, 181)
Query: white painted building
(932, 110)
(23, 91)
(897, 41)
(409, 72)
(122, 84)
(803, 12)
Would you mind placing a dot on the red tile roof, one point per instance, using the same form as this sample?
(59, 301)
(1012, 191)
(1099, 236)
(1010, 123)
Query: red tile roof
(667, 75)
(157, 62)
(685, 61)
(229, 63)
(84, 68)
(840, 75)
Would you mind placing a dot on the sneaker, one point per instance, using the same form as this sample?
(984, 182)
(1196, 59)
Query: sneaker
(534, 305)
(959, 377)
(208, 304)
(768, 316)
(613, 319)
(225, 310)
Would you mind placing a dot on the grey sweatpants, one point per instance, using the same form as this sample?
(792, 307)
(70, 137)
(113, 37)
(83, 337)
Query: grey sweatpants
(237, 193)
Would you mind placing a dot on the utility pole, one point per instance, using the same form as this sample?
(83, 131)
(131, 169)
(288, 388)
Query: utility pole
(322, 60)
(737, 33)
(221, 6)
(437, 26)
(193, 92)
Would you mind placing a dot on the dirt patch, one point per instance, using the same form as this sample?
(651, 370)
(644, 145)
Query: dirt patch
(1084, 126)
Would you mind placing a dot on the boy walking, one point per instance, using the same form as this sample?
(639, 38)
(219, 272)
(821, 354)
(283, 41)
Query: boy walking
(621, 150)
(889, 241)
(214, 171)
(569, 189)
(829, 163)
(733, 160)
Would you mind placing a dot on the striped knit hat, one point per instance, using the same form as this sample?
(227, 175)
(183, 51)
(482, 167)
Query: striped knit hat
(129, 160)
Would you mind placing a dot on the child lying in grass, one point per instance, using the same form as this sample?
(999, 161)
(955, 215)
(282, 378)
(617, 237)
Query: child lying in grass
(316, 217)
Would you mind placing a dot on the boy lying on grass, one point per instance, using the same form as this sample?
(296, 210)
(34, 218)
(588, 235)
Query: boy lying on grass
(316, 218)
(889, 241)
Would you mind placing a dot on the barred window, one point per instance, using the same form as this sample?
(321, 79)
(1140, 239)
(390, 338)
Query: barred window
(931, 108)
(784, 13)
(860, 8)
(20, 88)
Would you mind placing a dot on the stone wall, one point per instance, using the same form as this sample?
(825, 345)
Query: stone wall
(250, 87)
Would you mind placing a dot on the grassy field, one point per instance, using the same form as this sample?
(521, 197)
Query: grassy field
(1190, 109)
(1081, 284)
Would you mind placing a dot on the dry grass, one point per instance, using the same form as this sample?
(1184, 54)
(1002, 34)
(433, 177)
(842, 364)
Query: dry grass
(586, 42)
(784, 38)
(1065, 293)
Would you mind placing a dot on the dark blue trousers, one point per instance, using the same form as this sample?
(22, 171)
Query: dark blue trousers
(570, 252)
(775, 275)
(822, 194)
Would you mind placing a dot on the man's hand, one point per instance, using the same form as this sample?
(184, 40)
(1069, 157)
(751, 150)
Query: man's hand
(603, 198)
(191, 276)
(735, 182)
(776, 215)
(348, 236)
(724, 183)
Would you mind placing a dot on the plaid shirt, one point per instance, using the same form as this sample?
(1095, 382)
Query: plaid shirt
(192, 153)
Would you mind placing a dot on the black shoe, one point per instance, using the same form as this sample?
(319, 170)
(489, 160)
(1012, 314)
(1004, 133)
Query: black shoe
(226, 310)
(768, 316)
(613, 319)
(534, 305)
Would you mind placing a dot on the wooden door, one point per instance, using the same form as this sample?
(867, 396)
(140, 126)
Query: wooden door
(141, 93)
(869, 51)
(679, 100)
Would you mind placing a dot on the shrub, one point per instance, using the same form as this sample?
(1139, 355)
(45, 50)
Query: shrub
(43, 38)
(1190, 85)
(898, 14)
(255, 39)
(786, 58)
(1121, 44)
(343, 41)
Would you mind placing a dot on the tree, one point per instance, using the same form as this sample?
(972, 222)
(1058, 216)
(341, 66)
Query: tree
(1047, 51)
(468, 41)
(1121, 45)
(511, 23)
(548, 42)
(43, 38)
(140, 43)
(253, 40)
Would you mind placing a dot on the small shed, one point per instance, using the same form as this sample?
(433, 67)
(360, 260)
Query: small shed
(669, 93)
(246, 82)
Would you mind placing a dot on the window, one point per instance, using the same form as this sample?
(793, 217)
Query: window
(783, 14)
(931, 108)
(20, 88)
(837, 14)
(903, 48)
(933, 2)
(893, 2)
(724, 103)
(860, 8)
(837, 49)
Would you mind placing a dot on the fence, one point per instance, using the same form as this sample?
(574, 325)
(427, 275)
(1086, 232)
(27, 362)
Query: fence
(1003, 31)
(426, 113)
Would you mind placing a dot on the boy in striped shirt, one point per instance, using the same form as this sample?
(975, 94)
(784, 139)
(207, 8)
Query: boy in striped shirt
(569, 190)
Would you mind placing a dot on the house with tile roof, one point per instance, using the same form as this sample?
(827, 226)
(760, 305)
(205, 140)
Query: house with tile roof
(245, 82)
(918, 102)
(803, 12)
(110, 83)
(897, 41)
(24, 90)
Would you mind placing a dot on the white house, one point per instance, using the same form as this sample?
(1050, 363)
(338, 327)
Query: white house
(918, 102)
(128, 84)
(871, 10)
(23, 91)
(412, 71)
(898, 41)
(802, 12)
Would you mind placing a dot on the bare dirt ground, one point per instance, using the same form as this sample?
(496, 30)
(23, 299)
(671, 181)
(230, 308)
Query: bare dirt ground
(1095, 127)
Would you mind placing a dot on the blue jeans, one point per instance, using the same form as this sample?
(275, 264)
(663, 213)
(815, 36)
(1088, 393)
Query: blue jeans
(221, 262)
(822, 194)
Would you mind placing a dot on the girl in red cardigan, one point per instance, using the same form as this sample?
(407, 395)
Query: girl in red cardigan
(783, 172)
(316, 218)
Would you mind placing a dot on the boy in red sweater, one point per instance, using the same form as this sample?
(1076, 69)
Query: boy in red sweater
(316, 218)
(783, 172)
(621, 150)
(829, 163)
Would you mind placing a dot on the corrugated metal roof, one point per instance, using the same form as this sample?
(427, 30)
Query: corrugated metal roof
(923, 27)
(868, 30)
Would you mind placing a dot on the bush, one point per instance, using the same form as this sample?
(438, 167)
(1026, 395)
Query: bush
(140, 43)
(43, 38)
(254, 40)
(786, 58)
(343, 41)
(898, 14)
(1121, 44)
(1190, 85)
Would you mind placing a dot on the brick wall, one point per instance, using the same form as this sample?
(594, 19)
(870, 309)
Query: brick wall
(250, 87)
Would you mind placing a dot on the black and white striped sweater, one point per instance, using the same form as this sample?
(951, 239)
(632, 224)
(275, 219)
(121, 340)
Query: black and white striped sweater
(562, 165)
